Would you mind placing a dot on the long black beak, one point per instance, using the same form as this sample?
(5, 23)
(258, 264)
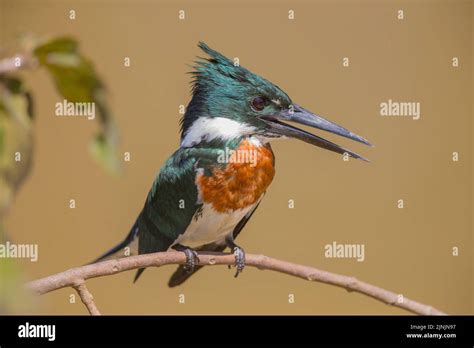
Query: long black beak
(300, 115)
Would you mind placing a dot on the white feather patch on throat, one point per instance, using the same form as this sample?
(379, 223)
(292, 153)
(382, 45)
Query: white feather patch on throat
(209, 128)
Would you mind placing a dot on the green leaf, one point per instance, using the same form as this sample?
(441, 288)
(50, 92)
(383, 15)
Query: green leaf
(103, 151)
(77, 81)
(15, 136)
(13, 297)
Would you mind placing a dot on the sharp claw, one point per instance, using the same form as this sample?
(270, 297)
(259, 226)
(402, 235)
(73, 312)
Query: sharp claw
(191, 260)
(239, 254)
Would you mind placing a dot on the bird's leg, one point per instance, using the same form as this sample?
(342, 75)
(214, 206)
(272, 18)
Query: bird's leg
(239, 255)
(191, 257)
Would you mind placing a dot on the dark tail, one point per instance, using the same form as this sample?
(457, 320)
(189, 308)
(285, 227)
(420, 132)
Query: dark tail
(128, 239)
(181, 275)
(138, 274)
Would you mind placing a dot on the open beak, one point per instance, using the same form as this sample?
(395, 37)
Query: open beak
(307, 118)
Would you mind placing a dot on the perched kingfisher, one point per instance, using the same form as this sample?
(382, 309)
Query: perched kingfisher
(209, 188)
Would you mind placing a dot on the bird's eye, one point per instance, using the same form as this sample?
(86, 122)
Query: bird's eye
(259, 103)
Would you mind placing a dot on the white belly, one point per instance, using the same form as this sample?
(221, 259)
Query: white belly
(210, 226)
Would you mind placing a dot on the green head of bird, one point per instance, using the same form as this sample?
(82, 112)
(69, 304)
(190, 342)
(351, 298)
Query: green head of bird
(231, 102)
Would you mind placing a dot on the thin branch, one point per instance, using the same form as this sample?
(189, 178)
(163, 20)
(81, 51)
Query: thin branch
(86, 298)
(74, 276)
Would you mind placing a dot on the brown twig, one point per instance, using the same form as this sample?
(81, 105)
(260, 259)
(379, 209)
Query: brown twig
(86, 298)
(75, 276)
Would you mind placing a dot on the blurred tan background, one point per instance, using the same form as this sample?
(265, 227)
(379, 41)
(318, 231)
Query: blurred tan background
(408, 250)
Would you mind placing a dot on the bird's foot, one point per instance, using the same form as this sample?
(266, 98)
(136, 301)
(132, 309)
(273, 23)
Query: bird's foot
(192, 258)
(239, 255)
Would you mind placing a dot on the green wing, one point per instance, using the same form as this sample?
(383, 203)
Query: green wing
(170, 205)
(173, 200)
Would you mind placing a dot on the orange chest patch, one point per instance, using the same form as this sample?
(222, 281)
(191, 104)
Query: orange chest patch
(248, 172)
